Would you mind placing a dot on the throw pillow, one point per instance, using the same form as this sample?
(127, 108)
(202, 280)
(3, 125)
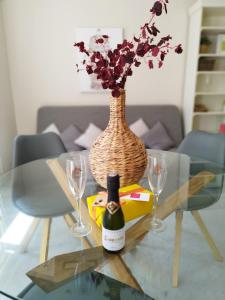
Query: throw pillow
(139, 127)
(158, 138)
(68, 136)
(51, 128)
(89, 136)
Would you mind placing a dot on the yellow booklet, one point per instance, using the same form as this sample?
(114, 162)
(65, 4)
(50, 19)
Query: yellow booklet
(132, 209)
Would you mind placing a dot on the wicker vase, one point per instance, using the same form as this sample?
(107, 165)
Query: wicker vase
(118, 149)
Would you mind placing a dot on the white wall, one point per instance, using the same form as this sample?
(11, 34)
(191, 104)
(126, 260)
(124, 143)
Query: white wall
(7, 117)
(40, 36)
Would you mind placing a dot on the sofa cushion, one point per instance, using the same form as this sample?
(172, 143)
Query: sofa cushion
(68, 136)
(139, 127)
(51, 128)
(158, 138)
(81, 116)
(89, 136)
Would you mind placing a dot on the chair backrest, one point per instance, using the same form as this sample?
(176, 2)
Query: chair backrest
(204, 145)
(27, 148)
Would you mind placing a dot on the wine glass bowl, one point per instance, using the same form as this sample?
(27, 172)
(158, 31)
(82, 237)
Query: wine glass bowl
(157, 173)
(76, 171)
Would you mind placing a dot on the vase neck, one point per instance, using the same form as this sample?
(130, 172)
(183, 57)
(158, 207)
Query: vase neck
(117, 108)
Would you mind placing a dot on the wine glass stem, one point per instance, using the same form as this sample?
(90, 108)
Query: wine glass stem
(155, 205)
(79, 211)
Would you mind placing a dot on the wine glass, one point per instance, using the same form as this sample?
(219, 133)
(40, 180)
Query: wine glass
(76, 170)
(157, 173)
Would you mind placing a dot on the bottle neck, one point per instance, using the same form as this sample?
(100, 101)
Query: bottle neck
(113, 195)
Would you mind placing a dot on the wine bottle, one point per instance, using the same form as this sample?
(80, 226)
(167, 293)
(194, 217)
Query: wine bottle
(113, 231)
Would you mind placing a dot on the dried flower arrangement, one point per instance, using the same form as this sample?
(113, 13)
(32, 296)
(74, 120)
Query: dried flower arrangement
(114, 66)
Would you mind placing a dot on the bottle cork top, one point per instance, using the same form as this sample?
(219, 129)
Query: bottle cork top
(113, 180)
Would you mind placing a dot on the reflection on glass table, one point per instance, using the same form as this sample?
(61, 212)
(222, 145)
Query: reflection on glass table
(85, 286)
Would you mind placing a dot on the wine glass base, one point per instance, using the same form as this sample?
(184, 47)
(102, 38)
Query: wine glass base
(81, 230)
(157, 225)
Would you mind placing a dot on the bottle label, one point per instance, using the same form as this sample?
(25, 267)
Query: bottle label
(113, 240)
(112, 207)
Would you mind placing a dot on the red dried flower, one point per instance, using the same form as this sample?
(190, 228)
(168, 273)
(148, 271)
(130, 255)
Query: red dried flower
(155, 51)
(136, 39)
(105, 85)
(137, 63)
(89, 69)
(129, 72)
(113, 67)
(154, 30)
(142, 49)
(162, 55)
(150, 64)
(179, 49)
(129, 58)
(157, 8)
(81, 47)
(100, 41)
(116, 93)
(118, 71)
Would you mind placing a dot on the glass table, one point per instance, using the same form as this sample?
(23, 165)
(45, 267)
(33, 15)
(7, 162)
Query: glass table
(35, 196)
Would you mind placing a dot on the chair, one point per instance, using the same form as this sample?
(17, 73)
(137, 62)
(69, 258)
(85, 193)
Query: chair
(200, 146)
(28, 148)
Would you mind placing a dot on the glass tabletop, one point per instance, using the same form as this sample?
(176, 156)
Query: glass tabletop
(31, 194)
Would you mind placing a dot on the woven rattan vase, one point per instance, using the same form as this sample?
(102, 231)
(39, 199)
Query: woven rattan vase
(118, 149)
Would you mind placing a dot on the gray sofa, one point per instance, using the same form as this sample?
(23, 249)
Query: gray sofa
(81, 116)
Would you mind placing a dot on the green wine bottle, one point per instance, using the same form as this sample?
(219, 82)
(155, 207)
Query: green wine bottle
(113, 231)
